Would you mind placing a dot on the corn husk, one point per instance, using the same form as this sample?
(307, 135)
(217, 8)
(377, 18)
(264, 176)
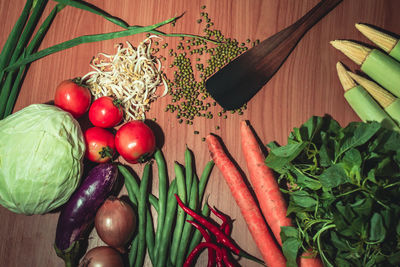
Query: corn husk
(390, 103)
(386, 42)
(384, 70)
(381, 67)
(366, 108)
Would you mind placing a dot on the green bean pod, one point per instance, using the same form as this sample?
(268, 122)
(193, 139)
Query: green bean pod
(181, 215)
(142, 207)
(204, 179)
(162, 195)
(188, 170)
(168, 224)
(188, 228)
(133, 251)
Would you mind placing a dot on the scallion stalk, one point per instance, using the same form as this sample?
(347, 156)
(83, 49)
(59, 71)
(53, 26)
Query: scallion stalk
(85, 39)
(25, 36)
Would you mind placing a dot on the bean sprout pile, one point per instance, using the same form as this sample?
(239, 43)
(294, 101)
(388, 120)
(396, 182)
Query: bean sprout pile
(131, 75)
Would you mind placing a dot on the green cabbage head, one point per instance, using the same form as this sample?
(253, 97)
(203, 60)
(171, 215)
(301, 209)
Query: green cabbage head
(41, 159)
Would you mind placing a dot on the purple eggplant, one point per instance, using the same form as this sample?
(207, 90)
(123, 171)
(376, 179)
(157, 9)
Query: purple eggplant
(79, 212)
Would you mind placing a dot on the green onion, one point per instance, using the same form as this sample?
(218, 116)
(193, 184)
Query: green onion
(16, 54)
(86, 39)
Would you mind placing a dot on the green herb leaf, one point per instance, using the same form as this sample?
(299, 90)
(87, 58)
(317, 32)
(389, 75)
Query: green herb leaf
(333, 176)
(377, 231)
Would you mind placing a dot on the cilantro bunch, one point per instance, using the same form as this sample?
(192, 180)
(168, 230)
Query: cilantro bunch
(343, 191)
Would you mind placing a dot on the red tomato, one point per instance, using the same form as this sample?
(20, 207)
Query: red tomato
(73, 97)
(100, 144)
(135, 141)
(105, 112)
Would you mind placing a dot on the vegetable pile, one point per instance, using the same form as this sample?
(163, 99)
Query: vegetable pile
(343, 192)
(173, 238)
(21, 46)
(375, 98)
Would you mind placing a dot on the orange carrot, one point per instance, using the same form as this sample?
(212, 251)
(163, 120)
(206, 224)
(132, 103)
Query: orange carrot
(264, 240)
(270, 198)
(266, 188)
(307, 259)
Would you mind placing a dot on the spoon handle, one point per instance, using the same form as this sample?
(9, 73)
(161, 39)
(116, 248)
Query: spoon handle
(313, 16)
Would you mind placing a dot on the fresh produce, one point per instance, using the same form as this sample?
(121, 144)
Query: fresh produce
(211, 246)
(200, 60)
(388, 102)
(270, 198)
(115, 223)
(258, 228)
(343, 191)
(106, 112)
(180, 217)
(41, 151)
(159, 249)
(20, 48)
(102, 256)
(361, 102)
(376, 64)
(135, 141)
(387, 42)
(73, 96)
(194, 252)
(80, 211)
(221, 237)
(100, 145)
(132, 75)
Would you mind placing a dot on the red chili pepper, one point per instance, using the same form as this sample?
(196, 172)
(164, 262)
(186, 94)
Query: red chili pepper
(221, 236)
(204, 233)
(225, 257)
(226, 225)
(198, 249)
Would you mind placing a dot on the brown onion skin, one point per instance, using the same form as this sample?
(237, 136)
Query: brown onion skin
(115, 223)
(102, 256)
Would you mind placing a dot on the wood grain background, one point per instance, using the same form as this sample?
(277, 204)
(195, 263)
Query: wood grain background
(306, 85)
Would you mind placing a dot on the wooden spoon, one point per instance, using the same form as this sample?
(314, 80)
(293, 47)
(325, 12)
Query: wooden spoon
(237, 82)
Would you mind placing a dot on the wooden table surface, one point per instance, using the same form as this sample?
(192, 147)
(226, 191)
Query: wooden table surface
(306, 85)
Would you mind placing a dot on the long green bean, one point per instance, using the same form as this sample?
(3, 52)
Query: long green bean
(188, 169)
(188, 228)
(150, 235)
(181, 215)
(131, 180)
(133, 251)
(204, 178)
(168, 224)
(142, 207)
(162, 195)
